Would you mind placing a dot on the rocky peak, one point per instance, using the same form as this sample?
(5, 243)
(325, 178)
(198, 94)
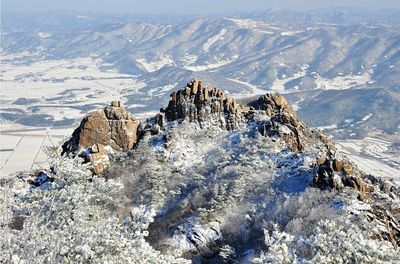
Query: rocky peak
(199, 103)
(115, 127)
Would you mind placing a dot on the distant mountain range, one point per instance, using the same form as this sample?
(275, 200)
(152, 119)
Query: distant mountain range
(72, 20)
(352, 53)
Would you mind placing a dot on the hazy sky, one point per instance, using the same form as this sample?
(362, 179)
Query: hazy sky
(186, 6)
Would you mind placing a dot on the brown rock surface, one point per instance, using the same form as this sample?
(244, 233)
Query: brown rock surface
(98, 157)
(280, 101)
(338, 165)
(17, 223)
(113, 126)
(390, 222)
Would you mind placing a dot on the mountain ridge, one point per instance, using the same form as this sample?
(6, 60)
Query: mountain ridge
(208, 179)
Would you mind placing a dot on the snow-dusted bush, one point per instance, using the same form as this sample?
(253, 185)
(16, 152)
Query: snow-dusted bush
(298, 214)
(75, 220)
(332, 241)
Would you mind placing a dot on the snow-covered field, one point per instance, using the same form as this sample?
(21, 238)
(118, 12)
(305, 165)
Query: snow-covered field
(279, 84)
(373, 156)
(62, 88)
(24, 148)
(152, 66)
(342, 81)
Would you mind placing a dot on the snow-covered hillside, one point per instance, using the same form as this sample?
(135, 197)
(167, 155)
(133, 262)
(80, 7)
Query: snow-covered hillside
(208, 181)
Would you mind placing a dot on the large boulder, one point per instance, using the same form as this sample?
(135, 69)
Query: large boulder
(98, 157)
(113, 126)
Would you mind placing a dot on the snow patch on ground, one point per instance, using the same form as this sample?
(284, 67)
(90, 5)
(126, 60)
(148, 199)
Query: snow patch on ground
(266, 32)
(209, 66)
(342, 82)
(365, 118)
(211, 41)
(189, 59)
(161, 90)
(136, 105)
(328, 127)
(254, 89)
(44, 35)
(152, 66)
(291, 33)
(279, 84)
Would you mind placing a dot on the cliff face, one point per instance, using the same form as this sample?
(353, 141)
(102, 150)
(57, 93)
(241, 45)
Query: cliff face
(205, 157)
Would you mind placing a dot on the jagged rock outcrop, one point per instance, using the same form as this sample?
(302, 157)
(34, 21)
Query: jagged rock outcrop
(336, 174)
(113, 126)
(388, 220)
(332, 172)
(283, 121)
(152, 126)
(198, 103)
(273, 103)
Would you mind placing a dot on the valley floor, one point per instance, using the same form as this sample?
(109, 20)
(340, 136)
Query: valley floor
(23, 148)
(373, 156)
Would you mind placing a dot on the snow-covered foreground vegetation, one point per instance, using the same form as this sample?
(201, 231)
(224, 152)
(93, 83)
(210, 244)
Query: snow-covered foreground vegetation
(210, 196)
(75, 219)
